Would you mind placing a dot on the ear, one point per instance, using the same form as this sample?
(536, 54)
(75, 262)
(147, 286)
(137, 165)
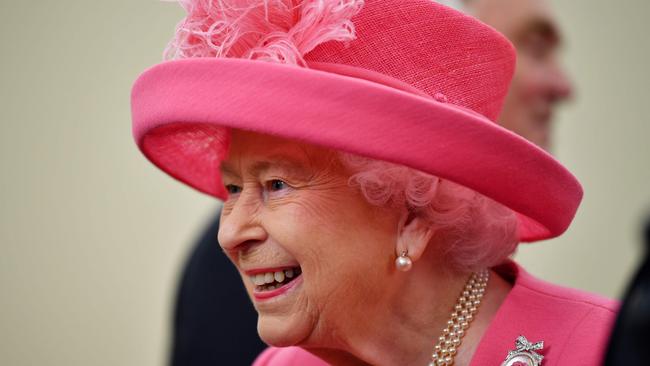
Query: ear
(413, 235)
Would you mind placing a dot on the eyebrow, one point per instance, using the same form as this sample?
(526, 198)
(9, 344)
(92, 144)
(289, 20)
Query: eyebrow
(260, 167)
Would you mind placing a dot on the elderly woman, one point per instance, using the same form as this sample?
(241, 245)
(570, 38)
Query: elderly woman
(370, 201)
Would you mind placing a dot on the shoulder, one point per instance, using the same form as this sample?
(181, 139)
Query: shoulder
(574, 325)
(287, 356)
(580, 299)
(587, 318)
(567, 302)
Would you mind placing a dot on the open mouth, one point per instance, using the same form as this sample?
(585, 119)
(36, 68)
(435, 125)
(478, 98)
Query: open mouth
(269, 281)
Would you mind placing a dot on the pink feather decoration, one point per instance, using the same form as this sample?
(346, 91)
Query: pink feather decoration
(280, 31)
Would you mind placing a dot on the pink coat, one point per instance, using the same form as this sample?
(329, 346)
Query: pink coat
(574, 326)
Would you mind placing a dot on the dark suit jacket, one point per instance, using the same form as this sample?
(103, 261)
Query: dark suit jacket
(629, 344)
(214, 321)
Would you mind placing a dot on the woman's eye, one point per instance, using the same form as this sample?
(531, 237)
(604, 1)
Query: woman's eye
(276, 185)
(233, 189)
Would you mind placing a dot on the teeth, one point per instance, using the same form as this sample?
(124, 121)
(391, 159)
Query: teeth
(273, 280)
(259, 279)
(279, 276)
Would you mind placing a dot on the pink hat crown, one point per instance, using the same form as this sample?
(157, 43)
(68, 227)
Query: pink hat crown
(377, 40)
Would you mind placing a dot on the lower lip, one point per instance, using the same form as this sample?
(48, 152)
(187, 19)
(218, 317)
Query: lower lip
(266, 295)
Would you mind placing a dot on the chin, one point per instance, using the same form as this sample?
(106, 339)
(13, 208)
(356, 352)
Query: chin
(283, 331)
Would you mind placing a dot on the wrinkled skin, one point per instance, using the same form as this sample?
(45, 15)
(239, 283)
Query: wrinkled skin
(290, 204)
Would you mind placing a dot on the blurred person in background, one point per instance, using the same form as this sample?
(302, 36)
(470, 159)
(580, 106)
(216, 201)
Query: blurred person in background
(537, 88)
(540, 83)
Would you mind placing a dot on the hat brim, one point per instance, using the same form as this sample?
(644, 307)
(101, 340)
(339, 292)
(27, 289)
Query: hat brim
(182, 110)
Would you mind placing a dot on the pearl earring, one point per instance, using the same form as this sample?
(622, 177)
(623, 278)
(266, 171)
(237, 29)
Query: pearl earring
(404, 262)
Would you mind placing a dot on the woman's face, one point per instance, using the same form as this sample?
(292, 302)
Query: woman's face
(313, 254)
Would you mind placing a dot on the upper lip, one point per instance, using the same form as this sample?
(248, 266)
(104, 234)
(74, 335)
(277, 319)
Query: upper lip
(254, 271)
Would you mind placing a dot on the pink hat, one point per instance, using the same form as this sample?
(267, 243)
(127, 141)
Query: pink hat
(406, 81)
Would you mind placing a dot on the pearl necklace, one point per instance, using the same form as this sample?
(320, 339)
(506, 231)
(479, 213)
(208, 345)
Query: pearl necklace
(463, 314)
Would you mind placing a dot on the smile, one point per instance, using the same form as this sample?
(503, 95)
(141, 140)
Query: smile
(274, 282)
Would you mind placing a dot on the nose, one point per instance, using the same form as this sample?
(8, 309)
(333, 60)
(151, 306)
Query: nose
(561, 84)
(240, 224)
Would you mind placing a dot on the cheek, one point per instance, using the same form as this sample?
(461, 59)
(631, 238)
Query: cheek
(338, 228)
(343, 244)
